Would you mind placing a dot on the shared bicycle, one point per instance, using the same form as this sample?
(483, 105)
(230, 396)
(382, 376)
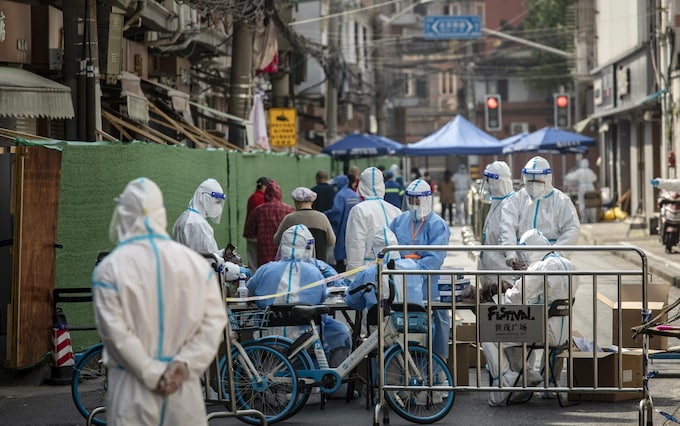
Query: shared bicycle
(412, 368)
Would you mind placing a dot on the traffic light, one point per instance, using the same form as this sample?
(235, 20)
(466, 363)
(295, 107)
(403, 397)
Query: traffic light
(493, 118)
(562, 110)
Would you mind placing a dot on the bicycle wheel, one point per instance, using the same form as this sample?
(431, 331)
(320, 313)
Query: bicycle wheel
(89, 384)
(418, 406)
(275, 395)
(301, 361)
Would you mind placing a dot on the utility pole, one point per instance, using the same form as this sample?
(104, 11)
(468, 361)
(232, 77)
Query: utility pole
(73, 12)
(240, 80)
(281, 88)
(332, 74)
(379, 78)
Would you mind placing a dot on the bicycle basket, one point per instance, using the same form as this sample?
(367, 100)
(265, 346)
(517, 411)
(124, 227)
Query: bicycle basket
(417, 321)
(252, 319)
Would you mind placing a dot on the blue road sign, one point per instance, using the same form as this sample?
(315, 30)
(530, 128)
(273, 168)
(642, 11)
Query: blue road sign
(452, 27)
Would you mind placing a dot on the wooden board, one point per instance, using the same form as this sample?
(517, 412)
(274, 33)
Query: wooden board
(37, 173)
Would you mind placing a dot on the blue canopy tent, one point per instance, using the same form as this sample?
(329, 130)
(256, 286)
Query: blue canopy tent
(458, 136)
(363, 145)
(550, 140)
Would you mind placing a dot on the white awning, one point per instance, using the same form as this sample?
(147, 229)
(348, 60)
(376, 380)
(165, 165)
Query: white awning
(131, 88)
(24, 94)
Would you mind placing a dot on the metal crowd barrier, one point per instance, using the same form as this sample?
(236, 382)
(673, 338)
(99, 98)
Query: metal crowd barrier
(488, 324)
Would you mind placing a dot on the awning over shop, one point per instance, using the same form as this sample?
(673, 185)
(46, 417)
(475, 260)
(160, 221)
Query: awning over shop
(24, 94)
(179, 100)
(648, 100)
(131, 89)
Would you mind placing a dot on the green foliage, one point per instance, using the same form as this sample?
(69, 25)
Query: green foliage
(546, 23)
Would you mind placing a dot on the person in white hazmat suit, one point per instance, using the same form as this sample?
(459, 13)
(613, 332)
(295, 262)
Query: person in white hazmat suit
(530, 292)
(159, 314)
(283, 278)
(496, 187)
(462, 184)
(542, 207)
(585, 179)
(193, 230)
(672, 185)
(367, 217)
(420, 226)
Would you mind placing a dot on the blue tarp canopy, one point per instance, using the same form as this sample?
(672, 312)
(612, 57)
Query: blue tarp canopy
(363, 145)
(550, 140)
(458, 136)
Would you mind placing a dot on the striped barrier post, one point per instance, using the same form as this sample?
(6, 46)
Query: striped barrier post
(62, 355)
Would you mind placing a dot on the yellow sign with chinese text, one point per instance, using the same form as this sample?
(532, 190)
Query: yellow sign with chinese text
(282, 126)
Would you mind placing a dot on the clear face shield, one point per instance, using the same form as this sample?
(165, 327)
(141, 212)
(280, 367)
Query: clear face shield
(487, 188)
(536, 182)
(418, 196)
(214, 205)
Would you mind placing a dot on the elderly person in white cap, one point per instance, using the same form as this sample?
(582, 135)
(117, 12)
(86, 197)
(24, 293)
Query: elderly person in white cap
(314, 220)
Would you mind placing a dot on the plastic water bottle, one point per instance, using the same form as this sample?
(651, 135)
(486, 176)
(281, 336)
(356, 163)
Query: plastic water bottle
(242, 290)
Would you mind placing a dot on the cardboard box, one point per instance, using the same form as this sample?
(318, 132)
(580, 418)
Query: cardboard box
(462, 370)
(607, 372)
(466, 333)
(631, 305)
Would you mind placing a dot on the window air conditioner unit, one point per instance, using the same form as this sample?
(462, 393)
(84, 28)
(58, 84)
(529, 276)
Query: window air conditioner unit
(518, 127)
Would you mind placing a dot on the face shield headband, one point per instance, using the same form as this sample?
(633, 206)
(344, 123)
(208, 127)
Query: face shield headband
(419, 201)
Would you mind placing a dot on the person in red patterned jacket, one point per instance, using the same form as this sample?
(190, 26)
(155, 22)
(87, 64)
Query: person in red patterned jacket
(264, 220)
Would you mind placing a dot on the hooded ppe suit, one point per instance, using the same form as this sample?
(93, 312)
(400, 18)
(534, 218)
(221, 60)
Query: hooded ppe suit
(345, 199)
(295, 268)
(155, 302)
(585, 179)
(558, 327)
(462, 184)
(546, 208)
(367, 217)
(193, 230)
(558, 285)
(419, 226)
(672, 185)
(498, 185)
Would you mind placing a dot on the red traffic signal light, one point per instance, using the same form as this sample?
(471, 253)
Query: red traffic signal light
(492, 103)
(493, 119)
(562, 110)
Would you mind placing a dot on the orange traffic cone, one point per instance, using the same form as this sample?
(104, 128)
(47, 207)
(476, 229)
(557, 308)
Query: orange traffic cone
(62, 355)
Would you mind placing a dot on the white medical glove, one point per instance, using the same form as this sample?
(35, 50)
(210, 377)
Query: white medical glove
(511, 259)
(230, 271)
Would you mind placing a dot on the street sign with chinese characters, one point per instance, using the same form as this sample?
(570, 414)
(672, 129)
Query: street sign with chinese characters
(510, 323)
(282, 127)
(447, 27)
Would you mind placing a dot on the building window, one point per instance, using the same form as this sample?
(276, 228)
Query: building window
(421, 87)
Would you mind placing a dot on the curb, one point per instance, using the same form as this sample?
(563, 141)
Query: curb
(664, 272)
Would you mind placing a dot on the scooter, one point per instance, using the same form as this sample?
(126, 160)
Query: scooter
(669, 220)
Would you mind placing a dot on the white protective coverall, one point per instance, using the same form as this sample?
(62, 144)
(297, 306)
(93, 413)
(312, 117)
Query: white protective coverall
(462, 184)
(193, 230)
(367, 217)
(542, 207)
(672, 185)
(558, 327)
(498, 186)
(585, 178)
(155, 302)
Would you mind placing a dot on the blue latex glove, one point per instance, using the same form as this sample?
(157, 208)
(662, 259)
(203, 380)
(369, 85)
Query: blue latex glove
(654, 182)
(246, 272)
